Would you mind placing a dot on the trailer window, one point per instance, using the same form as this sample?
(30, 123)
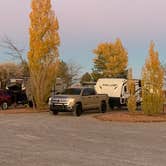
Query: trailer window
(125, 88)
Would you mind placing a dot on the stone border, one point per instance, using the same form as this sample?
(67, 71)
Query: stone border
(122, 116)
(21, 110)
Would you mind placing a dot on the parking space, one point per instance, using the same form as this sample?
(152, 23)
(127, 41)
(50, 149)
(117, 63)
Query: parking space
(41, 139)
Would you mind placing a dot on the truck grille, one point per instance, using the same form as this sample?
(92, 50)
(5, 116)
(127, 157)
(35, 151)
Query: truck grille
(59, 101)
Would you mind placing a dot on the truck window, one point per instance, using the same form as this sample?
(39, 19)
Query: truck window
(72, 91)
(92, 91)
(85, 92)
(88, 92)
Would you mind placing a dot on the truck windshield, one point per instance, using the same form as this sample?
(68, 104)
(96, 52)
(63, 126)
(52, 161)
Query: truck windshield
(72, 91)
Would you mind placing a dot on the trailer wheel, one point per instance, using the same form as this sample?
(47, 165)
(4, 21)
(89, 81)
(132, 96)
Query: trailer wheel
(103, 107)
(77, 110)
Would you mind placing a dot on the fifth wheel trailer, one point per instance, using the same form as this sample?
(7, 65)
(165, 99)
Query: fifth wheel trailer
(116, 89)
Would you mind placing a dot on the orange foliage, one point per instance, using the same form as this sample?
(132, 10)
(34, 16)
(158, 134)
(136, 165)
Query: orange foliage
(43, 52)
(111, 59)
(152, 83)
(131, 103)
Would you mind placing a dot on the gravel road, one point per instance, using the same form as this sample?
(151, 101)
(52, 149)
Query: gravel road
(41, 139)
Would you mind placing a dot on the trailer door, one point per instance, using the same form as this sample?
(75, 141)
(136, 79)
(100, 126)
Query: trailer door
(124, 95)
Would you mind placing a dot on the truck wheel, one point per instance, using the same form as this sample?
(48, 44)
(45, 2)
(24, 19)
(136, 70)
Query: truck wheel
(4, 105)
(103, 107)
(77, 110)
(55, 112)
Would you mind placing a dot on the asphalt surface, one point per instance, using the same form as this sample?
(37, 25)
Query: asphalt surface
(41, 139)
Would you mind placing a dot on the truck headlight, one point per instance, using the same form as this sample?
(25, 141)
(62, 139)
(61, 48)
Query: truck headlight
(70, 102)
(49, 100)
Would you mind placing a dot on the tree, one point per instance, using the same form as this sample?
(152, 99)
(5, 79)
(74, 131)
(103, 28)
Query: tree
(43, 53)
(131, 103)
(152, 83)
(86, 78)
(164, 67)
(111, 59)
(63, 73)
(74, 72)
(68, 72)
(8, 71)
(16, 53)
(96, 74)
(12, 49)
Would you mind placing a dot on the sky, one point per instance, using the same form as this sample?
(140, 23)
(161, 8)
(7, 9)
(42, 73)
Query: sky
(84, 24)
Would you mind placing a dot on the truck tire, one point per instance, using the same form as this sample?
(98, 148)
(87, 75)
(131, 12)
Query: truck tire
(77, 110)
(103, 107)
(55, 112)
(4, 105)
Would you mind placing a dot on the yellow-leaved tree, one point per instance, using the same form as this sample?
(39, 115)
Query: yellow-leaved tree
(131, 103)
(152, 84)
(111, 60)
(43, 50)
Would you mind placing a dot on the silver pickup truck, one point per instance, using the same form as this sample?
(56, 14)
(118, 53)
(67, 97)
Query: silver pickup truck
(77, 100)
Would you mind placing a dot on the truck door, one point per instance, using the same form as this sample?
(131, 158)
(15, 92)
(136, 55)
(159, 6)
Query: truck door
(88, 98)
(95, 99)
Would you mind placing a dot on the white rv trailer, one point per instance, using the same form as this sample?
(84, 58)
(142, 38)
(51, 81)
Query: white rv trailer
(116, 89)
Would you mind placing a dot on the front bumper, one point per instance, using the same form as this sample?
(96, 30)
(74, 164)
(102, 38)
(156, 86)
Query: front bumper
(61, 108)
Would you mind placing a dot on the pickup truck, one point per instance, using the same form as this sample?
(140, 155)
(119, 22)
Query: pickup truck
(77, 100)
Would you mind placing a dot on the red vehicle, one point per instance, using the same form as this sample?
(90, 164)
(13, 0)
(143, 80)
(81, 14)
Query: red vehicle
(5, 99)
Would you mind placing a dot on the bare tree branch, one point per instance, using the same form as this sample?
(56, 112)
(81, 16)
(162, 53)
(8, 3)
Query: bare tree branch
(12, 49)
(74, 71)
(16, 53)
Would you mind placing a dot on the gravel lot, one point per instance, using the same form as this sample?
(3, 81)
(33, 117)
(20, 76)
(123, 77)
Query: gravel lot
(41, 139)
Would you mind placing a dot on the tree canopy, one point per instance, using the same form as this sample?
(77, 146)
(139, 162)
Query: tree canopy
(111, 59)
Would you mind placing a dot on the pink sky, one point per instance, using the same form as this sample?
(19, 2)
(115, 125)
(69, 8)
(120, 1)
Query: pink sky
(86, 23)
